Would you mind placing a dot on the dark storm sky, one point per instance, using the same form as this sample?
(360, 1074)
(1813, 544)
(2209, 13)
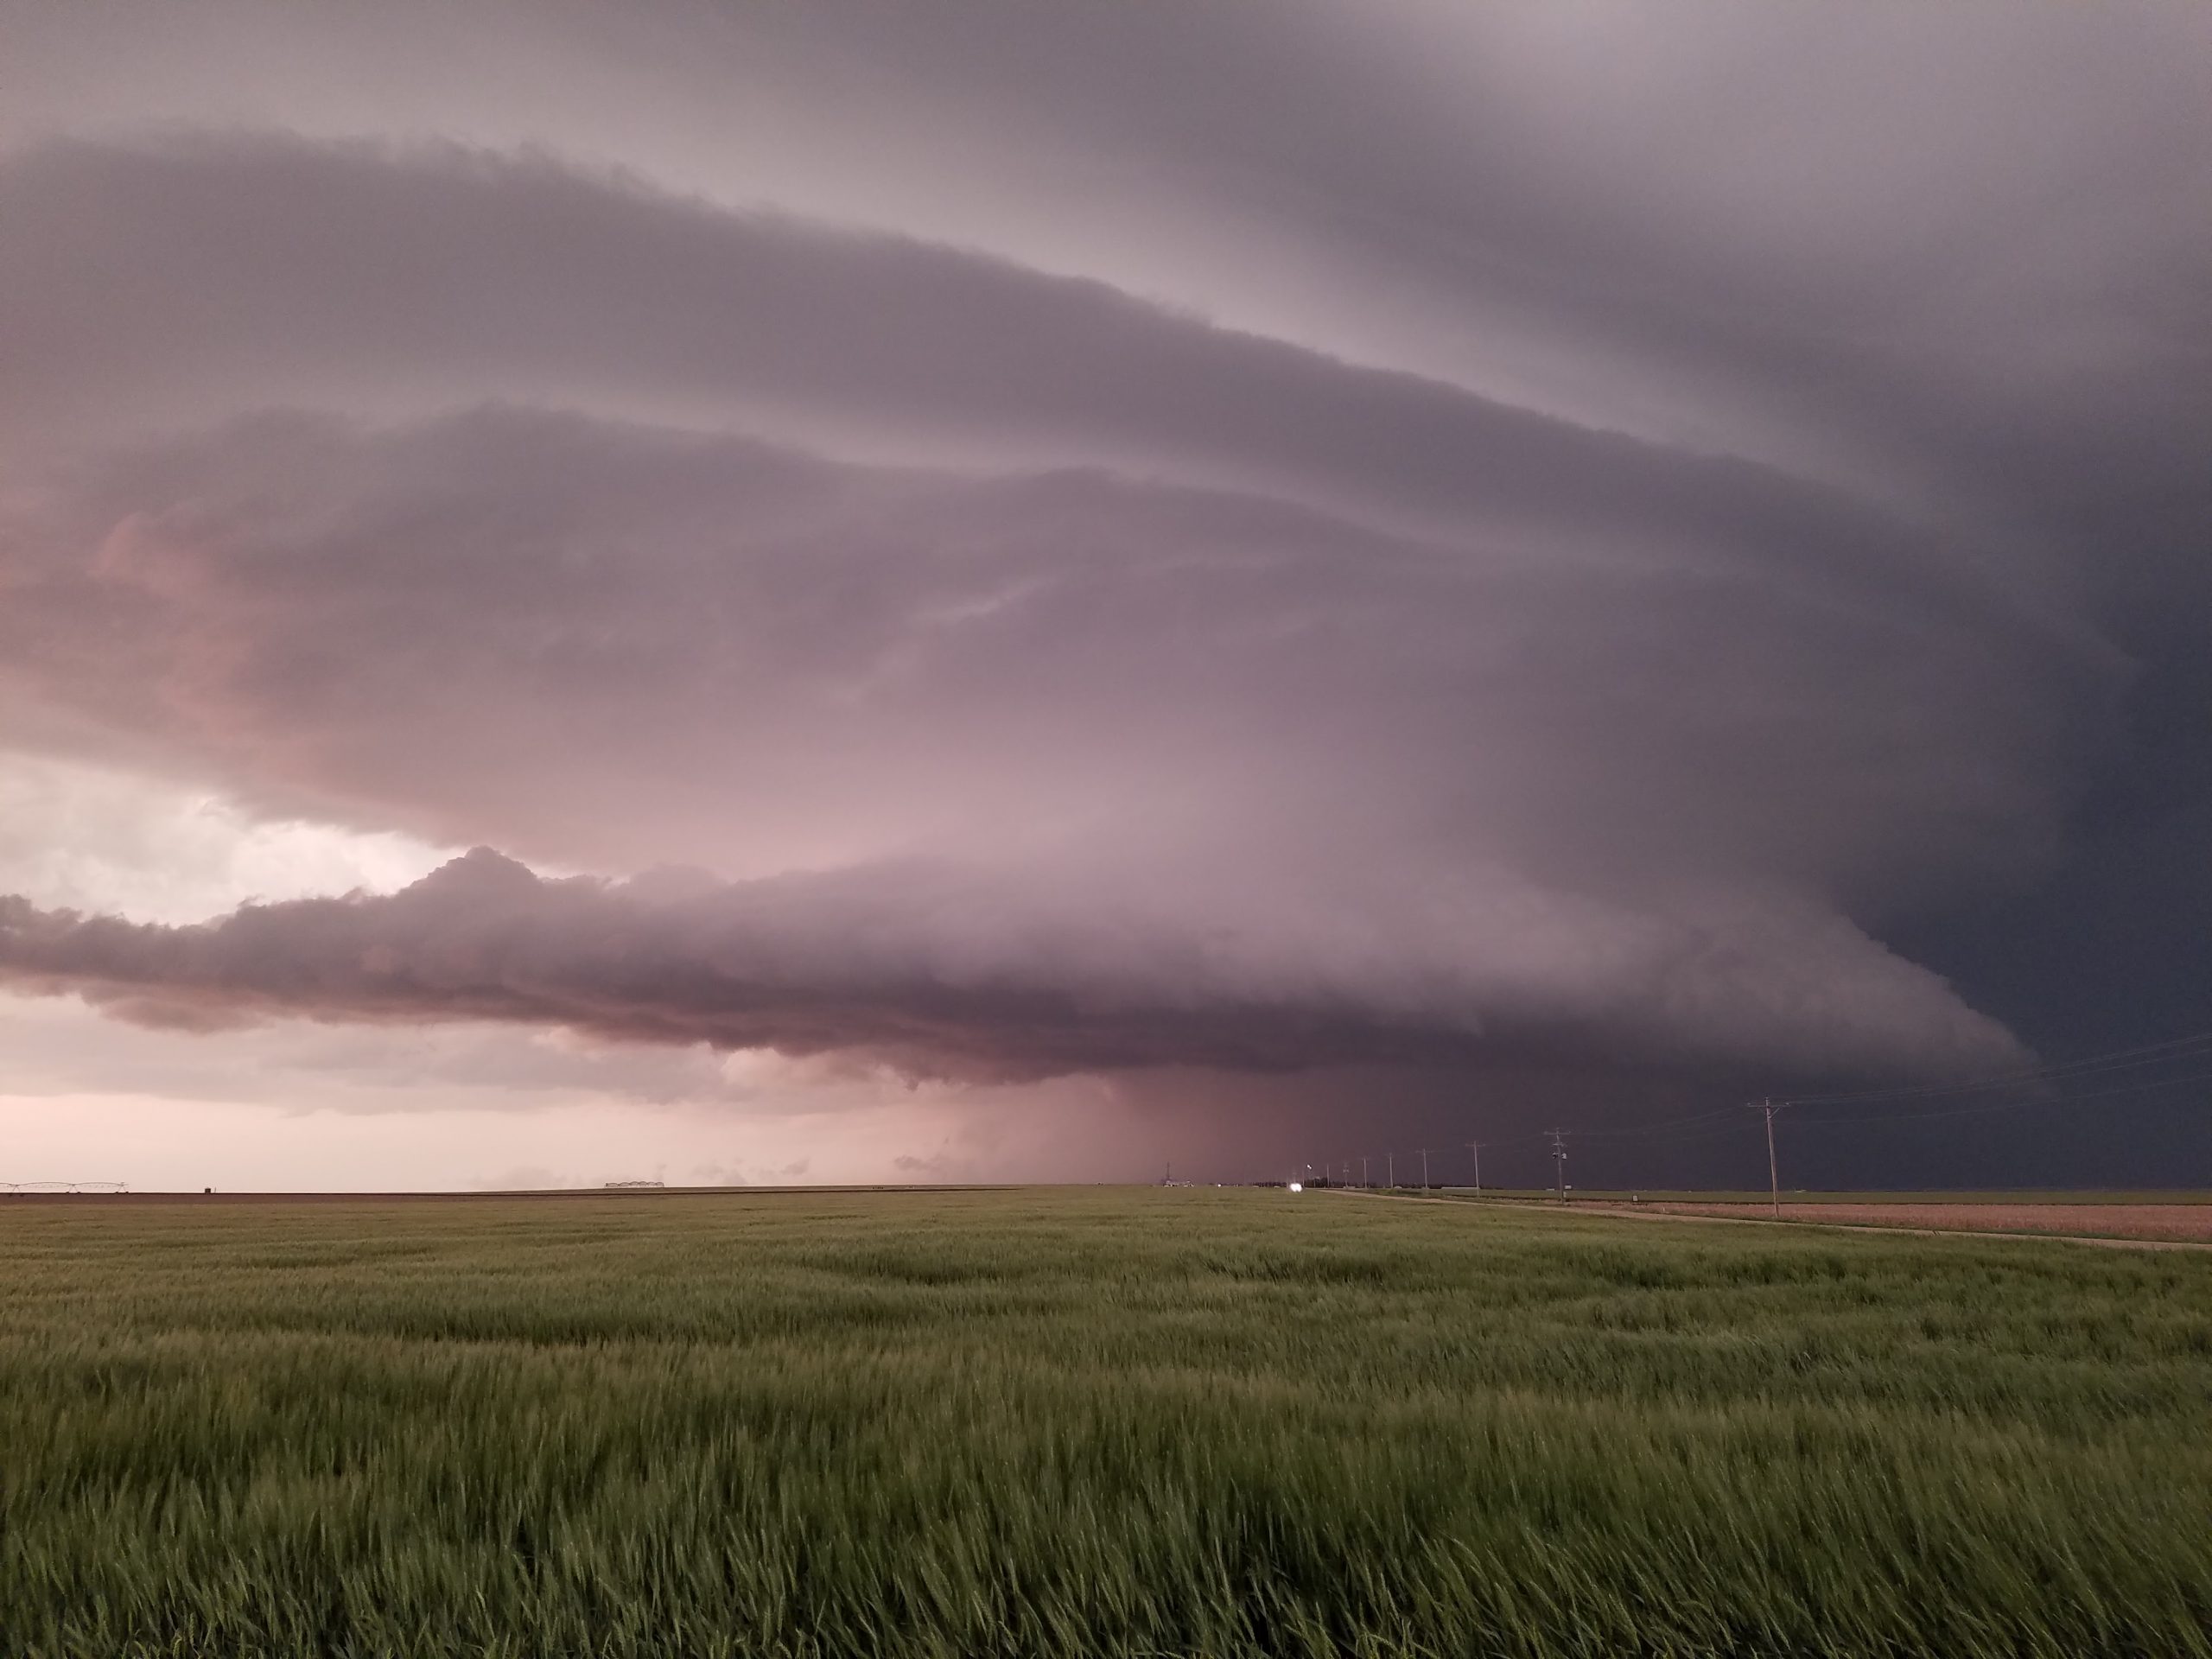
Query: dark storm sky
(1239, 579)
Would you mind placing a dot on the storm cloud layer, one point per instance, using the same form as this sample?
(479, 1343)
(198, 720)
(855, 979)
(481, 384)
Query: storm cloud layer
(1168, 540)
(939, 972)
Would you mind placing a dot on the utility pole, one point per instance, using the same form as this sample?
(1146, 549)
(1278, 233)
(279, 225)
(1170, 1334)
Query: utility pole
(1424, 1169)
(1363, 1181)
(1559, 1159)
(1476, 1146)
(1390, 1170)
(1773, 1177)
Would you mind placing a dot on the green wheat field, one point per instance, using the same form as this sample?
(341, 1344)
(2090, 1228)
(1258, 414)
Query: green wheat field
(1091, 1421)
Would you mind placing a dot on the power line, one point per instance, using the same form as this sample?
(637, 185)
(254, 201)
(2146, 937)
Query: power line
(1773, 1176)
(2180, 1048)
(2173, 1048)
(1653, 1128)
(1716, 1124)
(2009, 1105)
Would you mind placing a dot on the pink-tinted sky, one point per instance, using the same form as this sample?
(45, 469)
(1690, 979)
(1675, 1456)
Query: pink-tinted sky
(1017, 591)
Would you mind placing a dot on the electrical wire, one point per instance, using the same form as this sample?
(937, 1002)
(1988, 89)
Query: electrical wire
(2121, 1059)
(1714, 1125)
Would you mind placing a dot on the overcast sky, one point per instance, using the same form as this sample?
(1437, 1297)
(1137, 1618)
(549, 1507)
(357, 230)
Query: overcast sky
(861, 592)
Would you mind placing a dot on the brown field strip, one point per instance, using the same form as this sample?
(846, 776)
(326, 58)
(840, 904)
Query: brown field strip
(2124, 1226)
(2174, 1223)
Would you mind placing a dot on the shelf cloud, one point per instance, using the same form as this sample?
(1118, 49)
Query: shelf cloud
(940, 975)
(1123, 715)
(1338, 573)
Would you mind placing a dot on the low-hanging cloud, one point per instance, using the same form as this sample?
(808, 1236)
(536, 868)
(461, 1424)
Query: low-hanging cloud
(939, 973)
(1061, 680)
(1284, 788)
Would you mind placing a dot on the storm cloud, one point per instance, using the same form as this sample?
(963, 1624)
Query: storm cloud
(1118, 710)
(941, 972)
(1297, 567)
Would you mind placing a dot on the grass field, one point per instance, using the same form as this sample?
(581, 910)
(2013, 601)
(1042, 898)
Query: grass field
(1071, 1421)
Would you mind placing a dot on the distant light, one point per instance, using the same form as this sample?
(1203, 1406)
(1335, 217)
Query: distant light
(1297, 1186)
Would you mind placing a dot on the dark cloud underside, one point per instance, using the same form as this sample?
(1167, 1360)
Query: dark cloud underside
(1354, 567)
